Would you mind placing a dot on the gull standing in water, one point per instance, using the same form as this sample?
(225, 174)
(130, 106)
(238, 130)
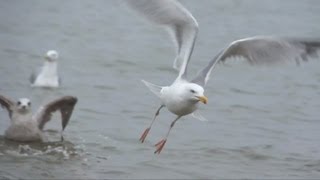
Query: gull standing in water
(182, 97)
(26, 127)
(48, 76)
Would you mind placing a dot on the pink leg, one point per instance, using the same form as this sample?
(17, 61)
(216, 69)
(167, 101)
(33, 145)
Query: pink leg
(160, 144)
(146, 131)
(144, 134)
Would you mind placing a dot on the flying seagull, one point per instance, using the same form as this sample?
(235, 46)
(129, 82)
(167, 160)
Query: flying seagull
(48, 75)
(25, 126)
(182, 97)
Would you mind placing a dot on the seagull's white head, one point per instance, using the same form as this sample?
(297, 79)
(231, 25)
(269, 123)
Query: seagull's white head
(194, 93)
(52, 56)
(23, 105)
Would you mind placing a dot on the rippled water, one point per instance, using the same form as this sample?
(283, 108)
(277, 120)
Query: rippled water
(263, 122)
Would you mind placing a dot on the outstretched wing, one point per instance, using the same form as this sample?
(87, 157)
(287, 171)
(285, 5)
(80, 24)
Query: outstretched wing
(178, 20)
(271, 50)
(64, 104)
(263, 50)
(7, 103)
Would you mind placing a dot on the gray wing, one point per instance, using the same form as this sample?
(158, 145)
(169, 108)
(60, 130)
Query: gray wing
(203, 76)
(64, 104)
(32, 78)
(7, 103)
(182, 26)
(272, 50)
(263, 50)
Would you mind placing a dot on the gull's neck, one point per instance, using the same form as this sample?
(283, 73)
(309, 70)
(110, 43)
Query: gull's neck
(50, 69)
(19, 117)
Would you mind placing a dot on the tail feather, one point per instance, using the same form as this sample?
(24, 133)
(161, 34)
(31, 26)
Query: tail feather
(198, 116)
(153, 88)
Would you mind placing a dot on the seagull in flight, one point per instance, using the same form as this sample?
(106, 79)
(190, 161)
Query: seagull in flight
(182, 97)
(26, 127)
(48, 75)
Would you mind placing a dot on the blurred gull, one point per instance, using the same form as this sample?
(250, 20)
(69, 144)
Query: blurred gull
(26, 127)
(182, 96)
(48, 75)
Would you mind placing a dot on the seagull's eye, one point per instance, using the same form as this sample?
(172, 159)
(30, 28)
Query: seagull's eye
(19, 103)
(192, 91)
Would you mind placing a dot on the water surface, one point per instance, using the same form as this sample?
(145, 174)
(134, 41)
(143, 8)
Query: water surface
(263, 122)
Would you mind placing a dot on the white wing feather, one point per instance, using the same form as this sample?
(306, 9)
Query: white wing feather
(178, 20)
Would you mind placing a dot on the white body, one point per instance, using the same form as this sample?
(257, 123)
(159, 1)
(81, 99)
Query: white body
(177, 101)
(23, 128)
(48, 76)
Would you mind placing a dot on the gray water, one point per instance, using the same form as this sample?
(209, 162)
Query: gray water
(263, 122)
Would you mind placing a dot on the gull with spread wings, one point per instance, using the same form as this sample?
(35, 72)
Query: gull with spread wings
(182, 97)
(26, 127)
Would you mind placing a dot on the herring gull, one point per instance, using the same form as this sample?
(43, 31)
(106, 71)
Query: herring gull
(25, 126)
(48, 75)
(183, 95)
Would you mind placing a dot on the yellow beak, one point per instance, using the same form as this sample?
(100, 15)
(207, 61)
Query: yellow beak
(203, 99)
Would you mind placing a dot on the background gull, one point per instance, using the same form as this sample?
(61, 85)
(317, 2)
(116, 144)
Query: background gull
(48, 75)
(27, 127)
(182, 96)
